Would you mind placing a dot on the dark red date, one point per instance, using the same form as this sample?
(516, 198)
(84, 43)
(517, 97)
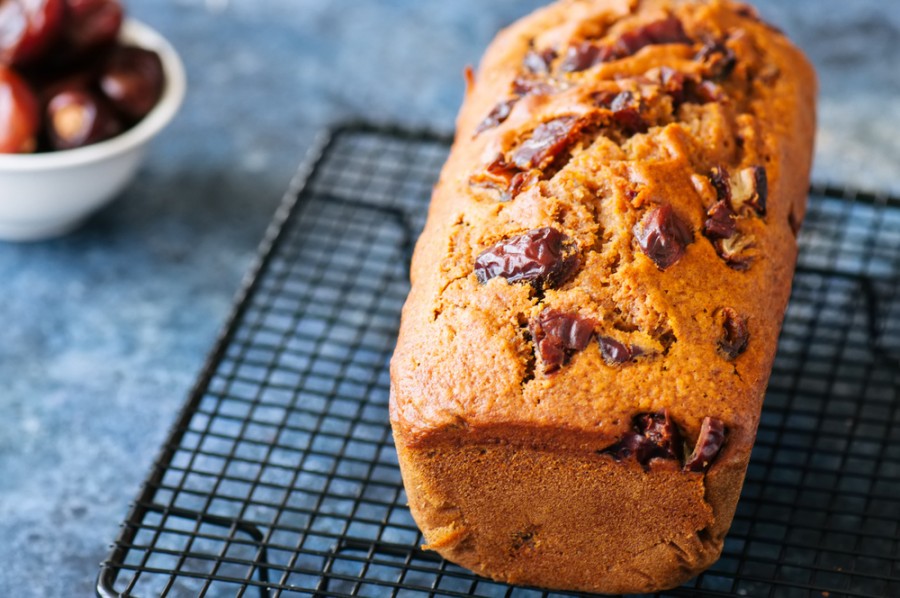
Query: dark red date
(719, 59)
(586, 54)
(673, 83)
(547, 142)
(626, 111)
(721, 182)
(665, 31)
(496, 116)
(659, 429)
(709, 444)
(78, 117)
(704, 92)
(654, 436)
(83, 87)
(132, 78)
(539, 63)
(736, 335)
(28, 29)
(506, 178)
(632, 444)
(557, 336)
(663, 236)
(616, 353)
(91, 24)
(521, 182)
(525, 85)
(544, 257)
(720, 223)
(19, 114)
(498, 175)
(684, 89)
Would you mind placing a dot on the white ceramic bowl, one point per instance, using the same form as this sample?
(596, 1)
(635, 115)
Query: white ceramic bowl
(49, 194)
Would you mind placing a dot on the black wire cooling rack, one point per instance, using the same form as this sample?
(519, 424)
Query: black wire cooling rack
(280, 477)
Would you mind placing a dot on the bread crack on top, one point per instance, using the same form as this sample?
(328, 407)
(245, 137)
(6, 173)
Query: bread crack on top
(598, 291)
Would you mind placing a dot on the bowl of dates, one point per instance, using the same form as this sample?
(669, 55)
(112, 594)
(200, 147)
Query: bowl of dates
(83, 90)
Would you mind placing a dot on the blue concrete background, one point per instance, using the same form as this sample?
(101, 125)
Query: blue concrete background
(102, 333)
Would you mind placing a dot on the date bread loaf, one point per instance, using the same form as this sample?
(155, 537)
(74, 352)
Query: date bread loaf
(598, 292)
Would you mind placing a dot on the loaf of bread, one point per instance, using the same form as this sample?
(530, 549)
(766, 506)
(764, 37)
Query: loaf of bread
(598, 292)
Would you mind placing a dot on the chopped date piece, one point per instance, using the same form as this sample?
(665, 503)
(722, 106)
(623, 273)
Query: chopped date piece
(616, 353)
(663, 236)
(736, 335)
(627, 114)
(558, 335)
(605, 99)
(624, 101)
(547, 141)
(544, 257)
(655, 436)
(521, 182)
(539, 63)
(504, 177)
(666, 31)
(709, 444)
(721, 223)
(498, 114)
(703, 92)
(585, 55)
(634, 444)
(719, 59)
(720, 180)
(630, 121)
(673, 83)
(685, 89)
(626, 110)
(500, 167)
(523, 86)
(750, 189)
(498, 175)
(659, 429)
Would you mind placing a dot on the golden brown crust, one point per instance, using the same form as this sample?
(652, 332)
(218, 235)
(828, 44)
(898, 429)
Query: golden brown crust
(465, 374)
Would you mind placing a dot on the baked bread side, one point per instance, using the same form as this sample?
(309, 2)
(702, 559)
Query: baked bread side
(598, 292)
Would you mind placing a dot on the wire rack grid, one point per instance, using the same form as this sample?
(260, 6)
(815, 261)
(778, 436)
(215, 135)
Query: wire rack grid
(280, 477)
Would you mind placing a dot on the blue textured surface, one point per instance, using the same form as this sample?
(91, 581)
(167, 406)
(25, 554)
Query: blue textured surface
(103, 332)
